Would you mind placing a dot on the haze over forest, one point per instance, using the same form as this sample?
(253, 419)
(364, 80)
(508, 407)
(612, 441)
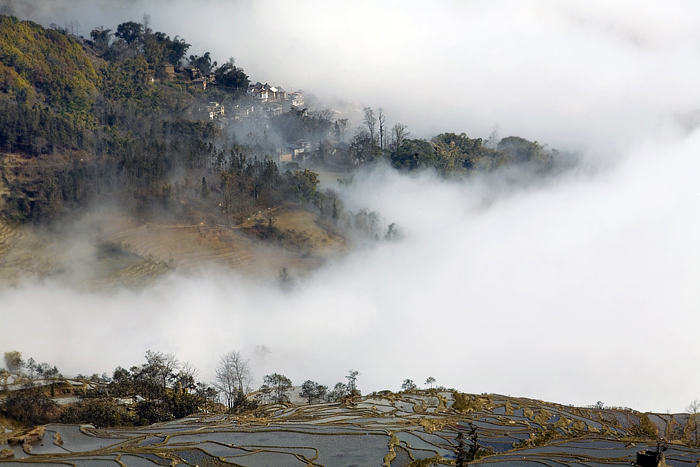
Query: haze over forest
(573, 289)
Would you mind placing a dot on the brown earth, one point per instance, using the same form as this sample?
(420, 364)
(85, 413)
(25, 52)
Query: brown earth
(110, 249)
(115, 250)
(31, 435)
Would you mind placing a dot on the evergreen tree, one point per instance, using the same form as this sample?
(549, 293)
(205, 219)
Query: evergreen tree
(205, 188)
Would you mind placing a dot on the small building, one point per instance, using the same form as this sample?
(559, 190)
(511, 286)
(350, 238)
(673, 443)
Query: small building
(281, 94)
(297, 149)
(259, 91)
(297, 99)
(275, 111)
(200, 83)
(192, 72)
(215, 110)
(212, 111)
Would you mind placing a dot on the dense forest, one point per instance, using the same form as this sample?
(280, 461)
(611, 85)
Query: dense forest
(117, 118)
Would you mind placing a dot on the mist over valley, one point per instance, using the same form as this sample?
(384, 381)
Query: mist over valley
(523, 221)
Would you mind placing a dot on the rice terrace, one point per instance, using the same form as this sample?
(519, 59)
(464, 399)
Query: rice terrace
(411, 428)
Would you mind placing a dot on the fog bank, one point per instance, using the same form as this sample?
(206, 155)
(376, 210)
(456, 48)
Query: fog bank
(573, 291)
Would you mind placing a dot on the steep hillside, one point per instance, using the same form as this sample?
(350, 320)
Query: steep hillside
(45, 65)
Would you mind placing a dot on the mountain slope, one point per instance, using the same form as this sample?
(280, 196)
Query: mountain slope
(43, 64)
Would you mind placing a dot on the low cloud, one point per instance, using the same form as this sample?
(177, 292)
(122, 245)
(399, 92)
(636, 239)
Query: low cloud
(574, 290)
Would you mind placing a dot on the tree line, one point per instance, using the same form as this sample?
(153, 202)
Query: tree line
(161, 389)
(449, 154)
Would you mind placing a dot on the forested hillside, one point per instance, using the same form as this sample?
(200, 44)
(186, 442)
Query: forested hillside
(121, 118)
(72, 135)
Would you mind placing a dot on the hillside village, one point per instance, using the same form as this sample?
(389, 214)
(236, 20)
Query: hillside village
(260, 102)
(128, 117)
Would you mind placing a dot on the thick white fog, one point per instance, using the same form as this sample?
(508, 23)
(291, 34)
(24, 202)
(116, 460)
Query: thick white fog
(580, 289)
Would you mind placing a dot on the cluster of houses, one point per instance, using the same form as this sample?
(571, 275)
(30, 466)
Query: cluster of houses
(197, 79)
(212, 111)
(266, 93)
(264, 101)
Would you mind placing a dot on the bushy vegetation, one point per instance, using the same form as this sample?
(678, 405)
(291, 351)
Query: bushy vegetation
(645, 429)
(44, 65)
(160, 389)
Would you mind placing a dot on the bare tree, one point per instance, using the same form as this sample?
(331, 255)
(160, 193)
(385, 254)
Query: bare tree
(261, 352)
(398, 135)
(693, 407)
(370, 122)
(382, 128)
(73, 27)
(493, 138)
(146, 21)
(187, 376)
(233, 377)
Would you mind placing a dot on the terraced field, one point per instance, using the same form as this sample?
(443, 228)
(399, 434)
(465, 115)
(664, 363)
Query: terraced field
(110, 251)
(398, 430)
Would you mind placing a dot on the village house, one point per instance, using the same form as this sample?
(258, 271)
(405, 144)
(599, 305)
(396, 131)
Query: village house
(197, 79)
(213, 111)
(280, 94)
(275, 110)
(192, 72)
(297, 99)
(296, 150)
(199, 83)
(265, 93)
(259, 91)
